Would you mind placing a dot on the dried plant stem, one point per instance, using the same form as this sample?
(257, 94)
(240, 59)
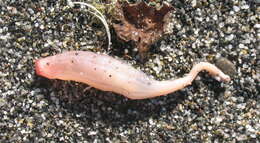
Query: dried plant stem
(97, 14)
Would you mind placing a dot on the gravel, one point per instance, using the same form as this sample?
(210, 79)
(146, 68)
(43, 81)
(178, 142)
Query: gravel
(35, 109)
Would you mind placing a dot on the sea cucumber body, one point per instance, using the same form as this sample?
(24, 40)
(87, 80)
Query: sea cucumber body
(109, 74)
(97, 70)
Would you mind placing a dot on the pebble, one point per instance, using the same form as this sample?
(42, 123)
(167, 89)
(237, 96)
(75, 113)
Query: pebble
(226, 66)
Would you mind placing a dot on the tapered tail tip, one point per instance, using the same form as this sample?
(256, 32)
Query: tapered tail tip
(223, 77)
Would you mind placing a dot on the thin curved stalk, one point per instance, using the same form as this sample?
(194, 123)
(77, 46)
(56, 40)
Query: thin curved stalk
(97, 14)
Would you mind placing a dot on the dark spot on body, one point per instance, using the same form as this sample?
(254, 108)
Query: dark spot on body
(72, 61)
(76, 53)
(95, 69)
(110, 75)
(47, 64)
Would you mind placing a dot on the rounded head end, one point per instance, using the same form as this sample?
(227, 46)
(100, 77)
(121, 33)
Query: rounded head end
(42, 69)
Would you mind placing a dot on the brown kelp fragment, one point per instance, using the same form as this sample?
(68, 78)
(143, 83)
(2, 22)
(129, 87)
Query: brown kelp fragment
(141, 23)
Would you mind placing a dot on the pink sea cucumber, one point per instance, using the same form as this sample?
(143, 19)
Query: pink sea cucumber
(109, 74)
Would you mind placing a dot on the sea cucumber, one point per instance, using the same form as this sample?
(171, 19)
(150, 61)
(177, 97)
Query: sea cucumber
(109, 74)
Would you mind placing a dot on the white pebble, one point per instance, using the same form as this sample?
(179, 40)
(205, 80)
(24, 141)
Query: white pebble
(230, 37)
(236, 8)
(245, 6)
(257, 26)
(193, 3)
